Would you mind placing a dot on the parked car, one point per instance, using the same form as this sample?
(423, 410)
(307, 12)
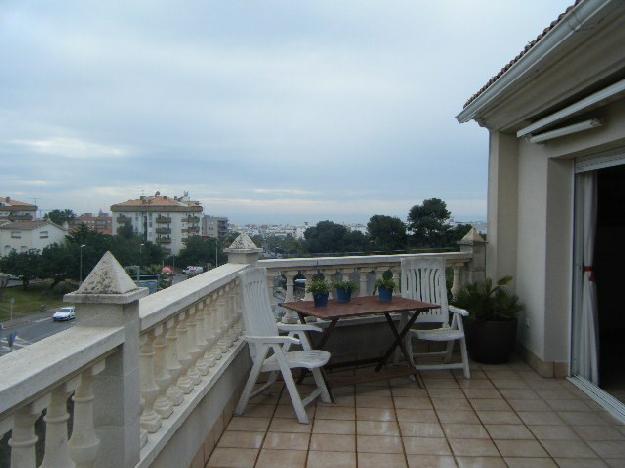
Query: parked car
(193, 270)
(64, 313)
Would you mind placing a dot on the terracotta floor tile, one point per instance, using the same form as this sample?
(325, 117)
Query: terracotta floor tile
(615, 462)
(582, 418)
(320, 459)
(510, 384)
(474, 447)
(434, 384)
(554, 433)
(481, 462)
(498, 417)
(451, 404)
(521, 448)
(448, 393)
(412, 403)
(286, 441)
(569, 405)
(560, 394)
(431, 461)
(409, 392)
(476, 384)
(288, 425)
(241, 439)
(457, 417)
(338, 412)
(413, 429)
(377, 428)
(426, 446)
(479, 393)
(242, 423)
(333, 426)
(568, 449)
(423, 416)
(232, 457)
(580, 463)
(598, 433)
(379, 444)
(540, 418)
(373, 402)
(333, 442)
(372, 391)
(378, 460)
(340, 400)
(608, 448)
(259, 411)
(510, 431)
(490, 404)
(375, 414)
(529, 405)
(281, 458)
(465, 431)
(517, 394)
(283, 411)
(530, 462)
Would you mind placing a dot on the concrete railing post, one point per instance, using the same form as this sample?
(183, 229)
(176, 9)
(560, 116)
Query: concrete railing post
(243, 251)
(474, 244)
(109, 298)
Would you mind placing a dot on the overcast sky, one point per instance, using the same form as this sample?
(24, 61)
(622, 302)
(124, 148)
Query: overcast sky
(274, 111)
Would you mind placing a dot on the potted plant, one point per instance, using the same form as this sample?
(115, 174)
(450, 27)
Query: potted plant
(344, 289)
(385, 286)
(492, 322)
(320, 289)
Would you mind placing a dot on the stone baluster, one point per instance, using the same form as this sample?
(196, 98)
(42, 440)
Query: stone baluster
(270, 279)
(289, 315)
(84, 444)
(56, 451)
(23, 437)
(192, 342)
(203, 363)
(222, 303)
(310, 274)
(185, 381)
(330, 276)
(150, 419)
(396, 278)
(363, 274)
(162, 404)
(457, 284)
(177, 387)
(232, 314)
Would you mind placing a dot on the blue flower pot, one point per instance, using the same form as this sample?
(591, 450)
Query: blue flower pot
(321, 300)
(343, 296)
(385, 295)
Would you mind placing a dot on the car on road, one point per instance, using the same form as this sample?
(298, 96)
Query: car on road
(193, 270)
(64, 313)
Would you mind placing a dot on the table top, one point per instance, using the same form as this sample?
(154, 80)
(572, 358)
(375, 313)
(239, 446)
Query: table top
(358, 306)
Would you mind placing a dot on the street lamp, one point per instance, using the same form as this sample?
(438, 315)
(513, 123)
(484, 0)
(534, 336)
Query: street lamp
(81, 247)
(140, 262)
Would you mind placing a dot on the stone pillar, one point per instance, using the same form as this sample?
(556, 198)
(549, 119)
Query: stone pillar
(109, 298)
(474, 244)
(243, 251)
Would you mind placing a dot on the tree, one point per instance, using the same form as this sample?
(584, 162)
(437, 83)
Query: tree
(199, 251)
(387, 233)
(58, 262)
(125, 230)
(61, 216)
(26, 265)
(330, 237)
(429, 223)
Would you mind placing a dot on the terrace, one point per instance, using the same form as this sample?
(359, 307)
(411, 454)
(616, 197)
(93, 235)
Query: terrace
(153, 380)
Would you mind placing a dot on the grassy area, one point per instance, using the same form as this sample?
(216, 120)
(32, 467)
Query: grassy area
(28, 301)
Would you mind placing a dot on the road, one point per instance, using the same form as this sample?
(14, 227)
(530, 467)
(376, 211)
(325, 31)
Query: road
(39, 327)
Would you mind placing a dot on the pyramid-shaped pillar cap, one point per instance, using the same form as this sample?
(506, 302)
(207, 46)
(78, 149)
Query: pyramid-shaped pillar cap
(108, 283)
(472, 237)
(243, 250)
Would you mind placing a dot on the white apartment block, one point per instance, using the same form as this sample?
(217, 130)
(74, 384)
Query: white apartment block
(164, 220)
(215, 227)
(23, 236)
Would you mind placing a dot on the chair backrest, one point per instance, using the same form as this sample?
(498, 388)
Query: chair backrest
(424, 279)
(257, 315)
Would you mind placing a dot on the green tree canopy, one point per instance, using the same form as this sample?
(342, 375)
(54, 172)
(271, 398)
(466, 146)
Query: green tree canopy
(61, 216)
(430, 226)
(330, 237)
(387, 233)
(26, 265)
(199, 251)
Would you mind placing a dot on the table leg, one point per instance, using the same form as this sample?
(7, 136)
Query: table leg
(399, 339)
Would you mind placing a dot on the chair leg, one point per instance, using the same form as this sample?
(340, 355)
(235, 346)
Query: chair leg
(321, 385)
(449, 351)
(296, 400)
(249, 386)
(465, 358)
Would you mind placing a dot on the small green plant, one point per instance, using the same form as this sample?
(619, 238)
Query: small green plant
(318, 285)
(345, 285)
(488, 301)
(385, 282)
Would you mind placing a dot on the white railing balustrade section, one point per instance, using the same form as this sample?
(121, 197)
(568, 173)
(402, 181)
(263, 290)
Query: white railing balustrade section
(363, 270)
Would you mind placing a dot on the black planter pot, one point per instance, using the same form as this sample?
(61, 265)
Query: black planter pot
(491, 341)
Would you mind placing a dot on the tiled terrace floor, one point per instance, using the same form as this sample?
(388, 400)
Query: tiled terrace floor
(505, 415)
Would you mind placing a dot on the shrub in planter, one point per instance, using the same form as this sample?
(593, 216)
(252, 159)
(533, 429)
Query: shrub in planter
(492, 323)
(385, 287)
(344, 289)
(320, 289)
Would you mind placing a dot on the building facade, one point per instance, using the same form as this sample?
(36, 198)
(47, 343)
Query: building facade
(15, 210)
(102, 222)
(215, 227)
(23, 236)
(166, 221)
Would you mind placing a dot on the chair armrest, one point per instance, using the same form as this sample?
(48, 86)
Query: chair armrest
(272, 340)
(456, 310)
(292, 327)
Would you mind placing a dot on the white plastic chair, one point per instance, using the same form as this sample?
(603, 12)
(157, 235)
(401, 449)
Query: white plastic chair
(262, 334)
(423, 279)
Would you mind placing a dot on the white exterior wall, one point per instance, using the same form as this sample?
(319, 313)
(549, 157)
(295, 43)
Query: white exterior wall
(30, 239)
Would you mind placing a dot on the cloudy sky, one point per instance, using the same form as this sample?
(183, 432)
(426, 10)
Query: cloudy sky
(275, 111)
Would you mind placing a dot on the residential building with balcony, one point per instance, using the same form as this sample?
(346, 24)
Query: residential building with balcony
(15, 210)
(23, 236)
(102, 222)
(215, 227)
(161, 219)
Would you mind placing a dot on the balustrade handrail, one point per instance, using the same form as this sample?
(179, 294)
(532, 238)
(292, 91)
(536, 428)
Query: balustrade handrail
(356, 260)
(160, 306)
(34, 370)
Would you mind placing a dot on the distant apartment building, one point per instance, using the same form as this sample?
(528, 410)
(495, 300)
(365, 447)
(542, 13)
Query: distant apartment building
(102, 222)
(23, 236)
(164, 220)
(215, 227)
(15, 210)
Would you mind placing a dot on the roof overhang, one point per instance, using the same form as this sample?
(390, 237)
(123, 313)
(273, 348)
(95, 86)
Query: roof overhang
(555, 68)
